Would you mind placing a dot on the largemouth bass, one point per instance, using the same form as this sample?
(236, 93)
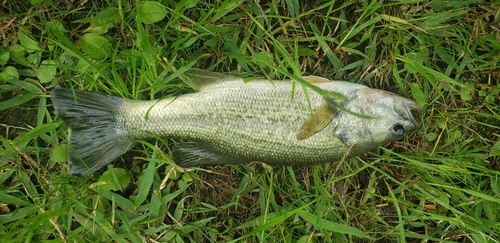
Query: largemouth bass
(228, 121)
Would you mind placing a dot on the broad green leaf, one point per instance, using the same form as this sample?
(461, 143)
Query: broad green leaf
(17, 50)
(83, 66)
(106, 17)
(465, 94)
(104, 20)
(173, 172)
(95, 46)
(47, 71)
(418, 94)
(34, 58)
(17, 53)
(56, 24)
(186, 177)
(114, 183)
(431, 136)
(307, 239)
(410, 67)
(59, 153)
(191, 3)
(490, 99)
(28, 42)
(150, 12)
(4, 58)
(9, 74)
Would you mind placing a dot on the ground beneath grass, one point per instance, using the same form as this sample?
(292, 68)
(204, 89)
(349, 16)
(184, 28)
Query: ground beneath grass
(440, 184)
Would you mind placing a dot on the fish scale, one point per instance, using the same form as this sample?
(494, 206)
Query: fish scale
(249, 117)
(231, 117)
(228, 121)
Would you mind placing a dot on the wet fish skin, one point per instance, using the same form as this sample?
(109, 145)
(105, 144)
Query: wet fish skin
(230, 121)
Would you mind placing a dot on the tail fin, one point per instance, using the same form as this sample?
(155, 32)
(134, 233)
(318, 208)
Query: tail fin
(96, 139)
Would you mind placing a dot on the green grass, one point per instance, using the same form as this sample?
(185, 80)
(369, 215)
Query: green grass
(441, 184)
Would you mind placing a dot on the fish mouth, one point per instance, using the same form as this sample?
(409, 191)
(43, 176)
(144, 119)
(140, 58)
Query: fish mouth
(406, 109)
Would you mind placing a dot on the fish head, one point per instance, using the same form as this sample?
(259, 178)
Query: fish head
(385, 117)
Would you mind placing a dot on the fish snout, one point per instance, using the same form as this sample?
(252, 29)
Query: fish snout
(406, 109)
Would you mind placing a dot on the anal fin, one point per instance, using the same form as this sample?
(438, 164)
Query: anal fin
(192, 153)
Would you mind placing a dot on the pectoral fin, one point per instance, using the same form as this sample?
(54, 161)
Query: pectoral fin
(317, 121)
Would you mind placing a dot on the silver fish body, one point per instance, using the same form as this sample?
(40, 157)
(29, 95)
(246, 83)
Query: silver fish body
(230, 121)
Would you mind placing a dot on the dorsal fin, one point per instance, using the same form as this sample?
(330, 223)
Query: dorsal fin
(199, 78)
(315, 79)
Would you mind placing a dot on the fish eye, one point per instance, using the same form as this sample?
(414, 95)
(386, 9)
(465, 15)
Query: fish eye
(398, 129)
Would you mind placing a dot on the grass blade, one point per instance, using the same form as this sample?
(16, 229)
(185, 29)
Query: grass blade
(145, 183)
(331, 226)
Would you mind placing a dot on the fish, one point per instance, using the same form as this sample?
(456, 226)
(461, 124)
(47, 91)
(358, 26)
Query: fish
(227, 120)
